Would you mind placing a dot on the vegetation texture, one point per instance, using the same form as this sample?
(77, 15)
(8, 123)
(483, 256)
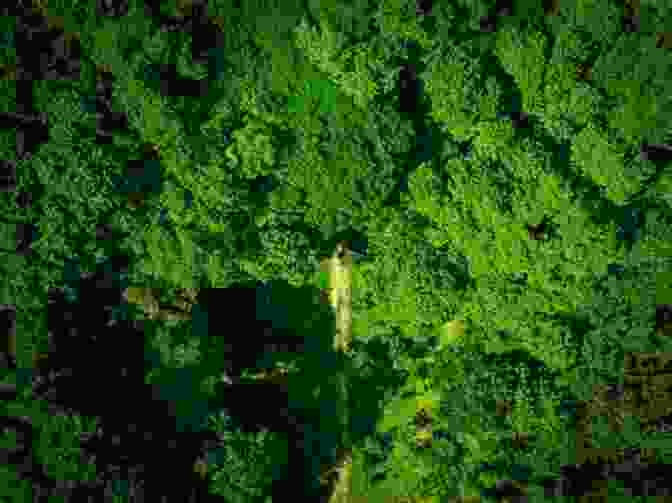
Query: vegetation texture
(399, 251)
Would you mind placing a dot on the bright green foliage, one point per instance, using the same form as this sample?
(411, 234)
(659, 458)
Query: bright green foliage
(459, 92)
(407, 469)
(603, 162)
(252, 151)
(320, 91)
(209, 184)
(285, 65)
(447, 89)
(496, 242)
(358, 82)
(567, 102)
(213, 128)
(522, 55)
(150, 114)
(493, 138)
(257, 150)
(328, 166)
(398, 19)
(321, 46)
(169, 258)
(451, 333)
(398, 412)
(327, 51)
(333, 180)
(567, 99)
(387, 292)
(286, 254)
(249, 97)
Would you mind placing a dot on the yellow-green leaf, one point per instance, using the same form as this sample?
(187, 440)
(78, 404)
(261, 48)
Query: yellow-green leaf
(451, 333)
(397, 414)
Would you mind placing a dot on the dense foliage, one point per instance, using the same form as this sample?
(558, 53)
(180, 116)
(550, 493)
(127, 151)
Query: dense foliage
(172, 173)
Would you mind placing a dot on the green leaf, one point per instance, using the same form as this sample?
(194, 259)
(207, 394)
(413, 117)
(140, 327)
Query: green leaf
(297, 104)
(324, 279)
(324, 91)
(397, 414)
(451, 333)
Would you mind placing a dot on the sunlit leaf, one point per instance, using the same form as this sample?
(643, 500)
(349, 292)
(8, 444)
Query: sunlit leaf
(451, 333)
(398, 413)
